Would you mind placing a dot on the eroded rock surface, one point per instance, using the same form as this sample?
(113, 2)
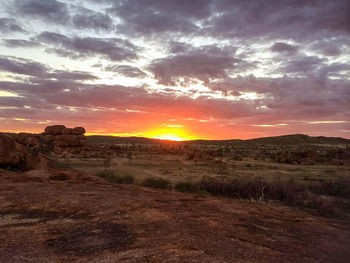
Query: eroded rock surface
(12, 154)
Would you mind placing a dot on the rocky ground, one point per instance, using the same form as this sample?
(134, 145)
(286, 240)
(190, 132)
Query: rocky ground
(77, 218)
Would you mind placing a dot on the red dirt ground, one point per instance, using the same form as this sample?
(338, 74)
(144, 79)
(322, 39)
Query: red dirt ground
(75, 221)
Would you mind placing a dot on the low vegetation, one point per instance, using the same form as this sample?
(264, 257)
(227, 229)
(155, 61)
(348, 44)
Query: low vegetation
(297, 170)
(110, 176)
(319, 196)
(157, 182)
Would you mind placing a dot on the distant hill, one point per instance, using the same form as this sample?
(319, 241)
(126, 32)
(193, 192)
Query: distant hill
(299, 139)
(291, 139)
(118, 140)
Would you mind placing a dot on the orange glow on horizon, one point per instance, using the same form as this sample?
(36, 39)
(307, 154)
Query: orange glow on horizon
(170, 133)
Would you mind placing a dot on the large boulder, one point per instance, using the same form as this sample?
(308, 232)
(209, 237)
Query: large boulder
(55, 129)
(11, 152)
(37, 161)
(27, 139)
(67, 131)
(78, 131)
(67, 141)
(47, 138)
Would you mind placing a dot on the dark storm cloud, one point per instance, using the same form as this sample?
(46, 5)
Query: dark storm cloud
(40, 71)
(112, 48)
(126, 70)
(201, 63)
(9, 25)
(52, 10)
(20, 43)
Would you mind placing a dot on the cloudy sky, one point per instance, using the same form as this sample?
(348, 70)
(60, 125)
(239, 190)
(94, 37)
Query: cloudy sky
(174, 68)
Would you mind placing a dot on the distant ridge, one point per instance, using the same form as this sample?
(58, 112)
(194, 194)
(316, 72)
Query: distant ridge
(299, 139)
(290, 139)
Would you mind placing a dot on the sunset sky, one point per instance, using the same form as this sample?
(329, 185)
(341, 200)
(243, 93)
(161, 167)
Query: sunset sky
(220, 69)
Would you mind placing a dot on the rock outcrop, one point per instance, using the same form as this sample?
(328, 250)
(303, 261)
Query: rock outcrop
(65, 140)
(12, 154)
(29, 151)
(54, 130)
(27, 139)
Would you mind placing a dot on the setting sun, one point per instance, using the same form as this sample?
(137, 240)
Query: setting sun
(170, 133)
(169, 137)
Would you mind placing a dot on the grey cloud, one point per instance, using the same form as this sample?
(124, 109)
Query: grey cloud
(333, 47)
(176, 47)
(340, 70)
(302, 21)
(22, 66)
(157, 16)
(9, 25)
(72, 75)
(286, 99)
(307, 64)
(126, 70)
(52, 10)
(281, 47)
(293, 98)
(113, 48)
(86, 18)
(20, 43)
(40, 71)
(201, 63)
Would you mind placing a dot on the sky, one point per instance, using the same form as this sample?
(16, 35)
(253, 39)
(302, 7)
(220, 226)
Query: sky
(199, 69)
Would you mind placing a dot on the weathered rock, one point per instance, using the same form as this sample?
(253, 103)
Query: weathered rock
(11, 153)
(47, 138)
(78, 131)
(27, 139)
(55, 129)
(66, 141)
(68, 131)
(59, 150)
(37, 161)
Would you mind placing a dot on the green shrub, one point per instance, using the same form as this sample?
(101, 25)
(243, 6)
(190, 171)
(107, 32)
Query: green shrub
(157, 182)
(187, 187)
(110, 176)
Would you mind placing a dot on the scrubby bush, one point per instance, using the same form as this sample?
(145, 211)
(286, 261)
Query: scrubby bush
(157, 182)
(185, 187)
(110, 176)
(202, 192)
(289, 193)
(334, 188)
